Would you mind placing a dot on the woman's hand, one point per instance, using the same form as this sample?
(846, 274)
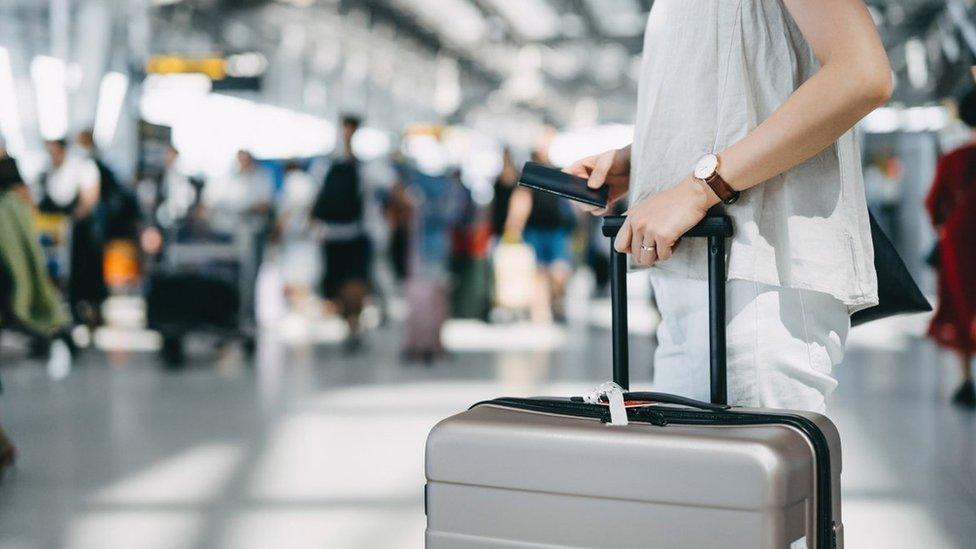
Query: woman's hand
(658, 221)
(610, 168)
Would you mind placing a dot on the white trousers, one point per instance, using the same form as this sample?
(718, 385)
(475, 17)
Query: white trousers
(782, 343)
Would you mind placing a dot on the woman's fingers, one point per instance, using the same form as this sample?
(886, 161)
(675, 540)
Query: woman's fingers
(579, 169)
(622, 241)
(664, 248)
(600, 170)
(643, 249)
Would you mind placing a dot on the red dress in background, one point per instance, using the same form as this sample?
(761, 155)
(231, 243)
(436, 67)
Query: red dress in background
(952, 206)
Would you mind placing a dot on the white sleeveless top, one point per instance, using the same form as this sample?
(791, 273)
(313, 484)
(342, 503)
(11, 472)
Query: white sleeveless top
(712, 71)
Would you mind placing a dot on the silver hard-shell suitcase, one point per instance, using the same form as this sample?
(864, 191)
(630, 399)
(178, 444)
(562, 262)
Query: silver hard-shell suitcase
(550, 472)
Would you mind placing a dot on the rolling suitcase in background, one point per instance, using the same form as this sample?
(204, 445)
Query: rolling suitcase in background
(635, 470)
(427, 310)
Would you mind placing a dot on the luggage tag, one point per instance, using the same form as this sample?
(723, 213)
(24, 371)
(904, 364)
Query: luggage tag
(615, 399)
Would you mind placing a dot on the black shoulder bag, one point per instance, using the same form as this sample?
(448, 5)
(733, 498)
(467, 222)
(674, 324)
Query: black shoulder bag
(897, 291)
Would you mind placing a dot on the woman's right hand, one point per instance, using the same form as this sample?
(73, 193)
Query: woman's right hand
(610, 168)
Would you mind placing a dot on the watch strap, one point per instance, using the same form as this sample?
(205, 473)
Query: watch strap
(722, 189)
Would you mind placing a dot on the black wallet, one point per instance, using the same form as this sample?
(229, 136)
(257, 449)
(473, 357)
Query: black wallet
(551, 180)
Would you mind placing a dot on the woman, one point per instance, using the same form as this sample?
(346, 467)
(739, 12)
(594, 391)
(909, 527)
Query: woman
(952, 206)
(751, 103)
(73, 187)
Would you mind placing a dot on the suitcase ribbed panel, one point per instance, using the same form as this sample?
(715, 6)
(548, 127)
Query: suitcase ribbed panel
(755, 467)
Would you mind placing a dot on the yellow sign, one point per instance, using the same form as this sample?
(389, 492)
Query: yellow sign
(214, 67)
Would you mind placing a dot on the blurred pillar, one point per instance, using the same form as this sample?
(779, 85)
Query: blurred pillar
(59, 28)
(919, 154)
(284, 84)
(92, 48)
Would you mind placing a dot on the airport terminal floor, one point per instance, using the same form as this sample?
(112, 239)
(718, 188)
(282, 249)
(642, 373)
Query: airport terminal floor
(306, 446)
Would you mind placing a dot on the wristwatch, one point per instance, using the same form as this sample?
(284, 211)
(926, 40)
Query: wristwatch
(707, 172)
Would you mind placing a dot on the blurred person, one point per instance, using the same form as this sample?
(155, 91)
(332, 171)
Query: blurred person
(542, 220)
(347, 251)
(752, 103)
(244, 198)
(72, 187)
(176, 193)
(122, 214)
(436, 204)
(951, 204)
(29, 302)
(470, 241)
(504, 186)
(10, 178)
(300, 260)
(399, 215)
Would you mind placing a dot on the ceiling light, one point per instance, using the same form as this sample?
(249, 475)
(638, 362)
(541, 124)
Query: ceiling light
(458, 21)
(50, 76)
(532, 19)
(111, 97)
(617, 17)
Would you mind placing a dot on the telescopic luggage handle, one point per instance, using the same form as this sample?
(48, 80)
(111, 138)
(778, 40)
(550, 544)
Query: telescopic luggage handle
(716, 228)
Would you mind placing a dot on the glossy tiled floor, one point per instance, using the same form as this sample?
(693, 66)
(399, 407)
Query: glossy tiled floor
(311, 448)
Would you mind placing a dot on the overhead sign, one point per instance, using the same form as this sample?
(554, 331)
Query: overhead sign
(213, 67)
(239, 65)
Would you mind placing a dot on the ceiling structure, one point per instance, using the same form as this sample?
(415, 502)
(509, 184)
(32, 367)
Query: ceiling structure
(590, 48)
(559, 57)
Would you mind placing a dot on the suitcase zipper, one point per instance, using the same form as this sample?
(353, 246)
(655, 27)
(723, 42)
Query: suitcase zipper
(661, 416)
(577, 409)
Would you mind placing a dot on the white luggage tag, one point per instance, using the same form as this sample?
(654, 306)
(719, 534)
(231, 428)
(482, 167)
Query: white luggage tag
(615, 397)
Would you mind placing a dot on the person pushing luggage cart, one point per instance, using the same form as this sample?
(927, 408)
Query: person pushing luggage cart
(751, 104)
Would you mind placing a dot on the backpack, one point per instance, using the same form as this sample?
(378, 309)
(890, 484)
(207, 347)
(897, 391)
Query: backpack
(340, 200)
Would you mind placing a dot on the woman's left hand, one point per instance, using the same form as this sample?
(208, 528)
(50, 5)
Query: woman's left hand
(659, 220)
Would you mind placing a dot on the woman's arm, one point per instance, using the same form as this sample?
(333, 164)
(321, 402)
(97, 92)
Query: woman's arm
(854, 79)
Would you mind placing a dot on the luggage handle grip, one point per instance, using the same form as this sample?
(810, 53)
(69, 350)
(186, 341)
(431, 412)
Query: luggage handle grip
(712, 225)
(716, 226)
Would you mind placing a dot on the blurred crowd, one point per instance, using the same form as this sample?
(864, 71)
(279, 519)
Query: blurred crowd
(312, 237)
(333, 237)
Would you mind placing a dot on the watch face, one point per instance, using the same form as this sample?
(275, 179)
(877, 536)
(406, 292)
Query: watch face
(706, 166)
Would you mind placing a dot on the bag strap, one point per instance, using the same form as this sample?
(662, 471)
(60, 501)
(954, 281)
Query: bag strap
(716, 227)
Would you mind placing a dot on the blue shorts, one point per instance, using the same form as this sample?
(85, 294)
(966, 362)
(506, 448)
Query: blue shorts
(550, 245)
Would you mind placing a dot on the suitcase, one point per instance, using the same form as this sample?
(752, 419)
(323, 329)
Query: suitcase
(627, 470)
(183, 301)
(427, 306)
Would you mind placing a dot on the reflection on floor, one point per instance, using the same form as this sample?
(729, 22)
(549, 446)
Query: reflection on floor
(312, 448)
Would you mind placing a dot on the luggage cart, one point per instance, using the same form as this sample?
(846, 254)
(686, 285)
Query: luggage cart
(205, 283)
